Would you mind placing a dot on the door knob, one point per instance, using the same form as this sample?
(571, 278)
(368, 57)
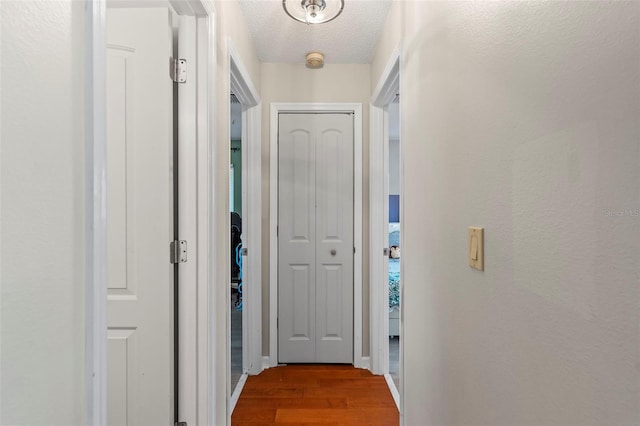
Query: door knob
(333, 252)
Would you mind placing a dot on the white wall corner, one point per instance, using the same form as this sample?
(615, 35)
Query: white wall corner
(365, 362)
(266, 362)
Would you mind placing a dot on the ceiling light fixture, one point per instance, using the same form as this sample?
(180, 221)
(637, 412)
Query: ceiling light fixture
(313, 11)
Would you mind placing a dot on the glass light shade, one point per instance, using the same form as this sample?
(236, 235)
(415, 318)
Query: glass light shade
(313, 11)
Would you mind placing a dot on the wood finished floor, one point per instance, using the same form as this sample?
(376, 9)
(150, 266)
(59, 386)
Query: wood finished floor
(315, 395)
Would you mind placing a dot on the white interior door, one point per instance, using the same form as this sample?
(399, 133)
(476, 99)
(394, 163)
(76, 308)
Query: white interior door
(315, 238)
(140, 217)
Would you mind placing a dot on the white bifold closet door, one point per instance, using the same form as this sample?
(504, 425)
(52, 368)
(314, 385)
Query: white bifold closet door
(315, 238)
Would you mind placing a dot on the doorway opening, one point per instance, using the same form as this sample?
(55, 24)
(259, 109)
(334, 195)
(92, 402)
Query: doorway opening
(235, 208)
(317, 109)
(394, 239)
(386, 227)
(244, 294)
(315, 238)
(122, 374)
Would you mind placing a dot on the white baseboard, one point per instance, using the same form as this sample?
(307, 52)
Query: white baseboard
(237, 391)
(393, 390)
(365, 362)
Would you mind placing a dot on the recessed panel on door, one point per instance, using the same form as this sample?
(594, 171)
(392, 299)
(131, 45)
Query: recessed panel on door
(121, 171)
(301, 199)
(122, 386)
(302, 321)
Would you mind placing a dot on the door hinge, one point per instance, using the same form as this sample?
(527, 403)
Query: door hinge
(354, 250)
(178, 70)
(385, 251)
(178, 251)
(244, 251)
(180, 423)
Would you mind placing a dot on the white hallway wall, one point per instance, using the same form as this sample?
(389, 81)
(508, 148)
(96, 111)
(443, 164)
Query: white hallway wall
(43, 249)
(527, 125)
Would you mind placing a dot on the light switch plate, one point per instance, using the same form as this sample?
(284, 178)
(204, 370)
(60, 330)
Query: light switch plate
(476, 248)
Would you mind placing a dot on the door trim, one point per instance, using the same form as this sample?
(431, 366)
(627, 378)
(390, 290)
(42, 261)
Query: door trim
(356, 109)
(96, 217)
(96, 213)
(387, 87)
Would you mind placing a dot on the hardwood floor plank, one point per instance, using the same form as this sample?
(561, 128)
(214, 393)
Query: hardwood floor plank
(381, 416)
(351, 382)
(256, 415)
(274, 392)
(344, 392)
(367, 401)
(252, 402)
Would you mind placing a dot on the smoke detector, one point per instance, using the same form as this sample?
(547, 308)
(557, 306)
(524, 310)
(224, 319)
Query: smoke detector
(315, 60)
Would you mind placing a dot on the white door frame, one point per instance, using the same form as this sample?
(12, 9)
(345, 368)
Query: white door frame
(203, 72)
(386, 89)
(96, 212)
(356, 109)
(251, 151)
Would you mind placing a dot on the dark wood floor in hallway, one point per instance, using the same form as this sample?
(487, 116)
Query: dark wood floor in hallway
(315, 394)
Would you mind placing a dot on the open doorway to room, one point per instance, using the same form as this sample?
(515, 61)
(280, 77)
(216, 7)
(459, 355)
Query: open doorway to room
(244, 315)
(130, 180)
(235, 207)
(393, 160)
(141, 343)
(385, 210)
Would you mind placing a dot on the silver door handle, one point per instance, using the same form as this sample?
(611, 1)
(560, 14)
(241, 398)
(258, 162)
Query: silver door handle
(333, 252)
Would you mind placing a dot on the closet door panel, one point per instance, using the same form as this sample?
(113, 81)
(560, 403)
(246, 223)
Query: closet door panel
(296, 241)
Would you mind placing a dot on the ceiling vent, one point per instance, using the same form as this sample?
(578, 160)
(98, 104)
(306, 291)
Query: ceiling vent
(234, 99)
(315, 60)
(396, 99)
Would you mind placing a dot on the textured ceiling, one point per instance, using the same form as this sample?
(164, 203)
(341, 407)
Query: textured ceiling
(349, 39)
